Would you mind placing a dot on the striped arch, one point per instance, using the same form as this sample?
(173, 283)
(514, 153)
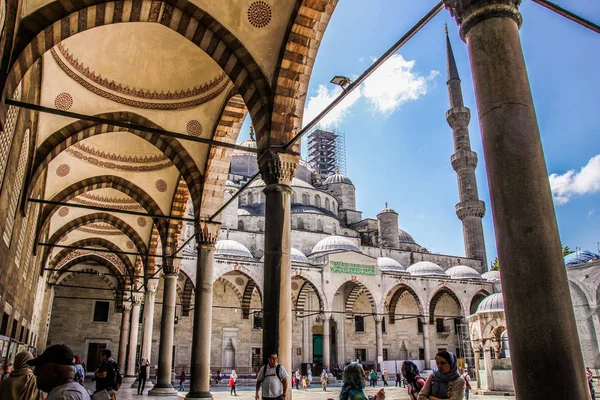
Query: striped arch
(218, 160)
(399, 291)
(232, 287)
(306, 288)
(187, 293)
(247, 298)
(296, 59)
(477, 299)
(117, 291)
(358, 289)
(96, 242)
(436, 297)
(178, 207)
(99, 217)
(59, 20)
(80, 130)
(152, 249)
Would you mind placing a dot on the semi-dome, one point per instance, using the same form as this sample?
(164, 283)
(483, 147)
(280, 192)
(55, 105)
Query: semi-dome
(426, 268)
(581, 257)
(462, 272)
(334, 243)
(231, 248)
(494, 302)
(298, 256)
(337, 178)
(405, 237)
(295, 183)
(491, 276)
(302, 209)
(389, 264)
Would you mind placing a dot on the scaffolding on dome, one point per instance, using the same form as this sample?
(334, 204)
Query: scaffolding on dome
(327, 151)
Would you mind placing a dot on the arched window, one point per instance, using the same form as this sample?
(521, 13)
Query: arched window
(294, 200)
(319, 225)
(300, 223)
(240, 225)
(327, 203)
(16, 189)
(6, 137)
(318, 201)
(250, 199)
(29, 247)
(305, 199)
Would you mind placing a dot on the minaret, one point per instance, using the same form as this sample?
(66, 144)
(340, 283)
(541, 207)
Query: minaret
(470, 210)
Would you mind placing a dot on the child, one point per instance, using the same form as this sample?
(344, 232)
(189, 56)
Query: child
(294, 381)
(304, 382)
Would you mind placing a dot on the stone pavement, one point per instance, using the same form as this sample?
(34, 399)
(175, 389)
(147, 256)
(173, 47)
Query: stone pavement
(314, 393)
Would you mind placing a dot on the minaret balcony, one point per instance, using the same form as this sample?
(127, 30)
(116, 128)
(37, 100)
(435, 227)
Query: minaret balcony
(463, 159)
(466, 209)
(458, 117)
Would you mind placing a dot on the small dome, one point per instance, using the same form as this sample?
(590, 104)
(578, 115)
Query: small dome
(334, 243)
(295, 183)
(581, 258)
(462, 272)
(229, 183)
(386, 209)
(405, 237)
(492, 276)
(298, 256)
(250, 143)
(389, 264)
(425, 268)
(337, 178)
(494, 302)
(243, 211)
(231, 248)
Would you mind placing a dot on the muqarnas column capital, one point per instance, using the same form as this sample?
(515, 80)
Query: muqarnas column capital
(469, 13)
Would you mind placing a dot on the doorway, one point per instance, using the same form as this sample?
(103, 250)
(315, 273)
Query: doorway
(93, 355)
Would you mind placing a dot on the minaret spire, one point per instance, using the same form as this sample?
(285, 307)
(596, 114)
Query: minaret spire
(470, 210)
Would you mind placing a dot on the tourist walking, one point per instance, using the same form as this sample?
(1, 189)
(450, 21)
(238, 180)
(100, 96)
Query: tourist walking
(324, 380)
(373, 378)
(142, 376)
(79, 371)
(414, 382)
(354, 382)
(54, 374)
(309, 379)
(384, 377)
(298, 378)
(590, 379)
(273, 378)
(232, 380)
(467, 378)
(445, 383)
(398, 379)
(20, 383)
(182, 380)
(218, 378)
(107, 375)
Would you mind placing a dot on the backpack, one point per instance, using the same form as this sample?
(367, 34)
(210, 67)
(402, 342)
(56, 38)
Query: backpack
(419, 383)
(277, 372)
(78, 377)
(117, 377)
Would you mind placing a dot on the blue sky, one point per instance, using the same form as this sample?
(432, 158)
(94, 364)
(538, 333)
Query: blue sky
(398, 144)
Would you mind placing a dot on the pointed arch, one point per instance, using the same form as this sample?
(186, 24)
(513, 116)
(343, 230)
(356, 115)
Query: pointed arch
(53, 23)
(476, 300)
(247, 298)
(398, 291)
(436, 298)
(305, 289)
(234, 288)
(178, 208)
(358, 289)
(187, 293)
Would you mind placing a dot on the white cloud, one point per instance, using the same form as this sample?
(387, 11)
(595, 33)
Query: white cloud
(323, 97)
(591, 212)
(395, 83)
(572, 183)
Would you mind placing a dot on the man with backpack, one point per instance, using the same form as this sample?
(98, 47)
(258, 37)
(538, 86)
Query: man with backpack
(274, 380)
(108, 377)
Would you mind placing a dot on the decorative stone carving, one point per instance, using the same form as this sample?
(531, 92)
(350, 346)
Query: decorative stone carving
(277, 168)
(259, 14)
(470, 209)
(194, 128)
(126, 305)
(161, 185)
(468, 13)
(63, 170)
(207, 233)
(458, 117)
(463, 159)
(63, 101)
(151, 285)
(137, 298)
(169, 267)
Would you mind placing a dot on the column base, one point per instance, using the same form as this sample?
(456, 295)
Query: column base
(129, 380)
(168, 390)
(199, 395)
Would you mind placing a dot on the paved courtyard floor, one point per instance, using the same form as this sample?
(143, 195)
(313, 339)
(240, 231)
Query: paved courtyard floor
(392, 393)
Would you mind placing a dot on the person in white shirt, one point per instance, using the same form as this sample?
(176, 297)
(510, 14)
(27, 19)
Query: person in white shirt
(274, 380)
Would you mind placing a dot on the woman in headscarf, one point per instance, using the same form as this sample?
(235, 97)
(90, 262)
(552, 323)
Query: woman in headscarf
(79, 370)
(414, 382)
(445, 383)
(21, 383)
(354, 382)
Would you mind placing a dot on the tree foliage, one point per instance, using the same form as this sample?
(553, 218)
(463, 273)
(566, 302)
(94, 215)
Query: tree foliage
(565, 251)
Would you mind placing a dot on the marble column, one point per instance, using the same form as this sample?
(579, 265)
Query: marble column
(148, 321)
(126, 315)
(206, 237)
(163, 386)
(277, 170)
(426, 349)
(327, 342)
(524, 220)
(378, 340)
(134, 327)
(477, 355)
(489, 371)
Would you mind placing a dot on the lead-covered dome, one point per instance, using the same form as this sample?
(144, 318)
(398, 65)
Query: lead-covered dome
(492, 303)
(231, 248)
(334, 243)
(298, 256)
(389, 264)
(250, 143)
(405, 237)
(295, 183)
(425, 268)
(492, 276)
(387, 209)
(462, 272)
(337, 178)
(580, 257)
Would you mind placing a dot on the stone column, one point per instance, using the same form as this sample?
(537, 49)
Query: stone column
(477, 354)
(378, 339)
(163, 385)
(134, 327)
(149, 300)
(123, 336)
(327, 342)
(526, 230)
(206, 237)
(489, 371)
(426, 350)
